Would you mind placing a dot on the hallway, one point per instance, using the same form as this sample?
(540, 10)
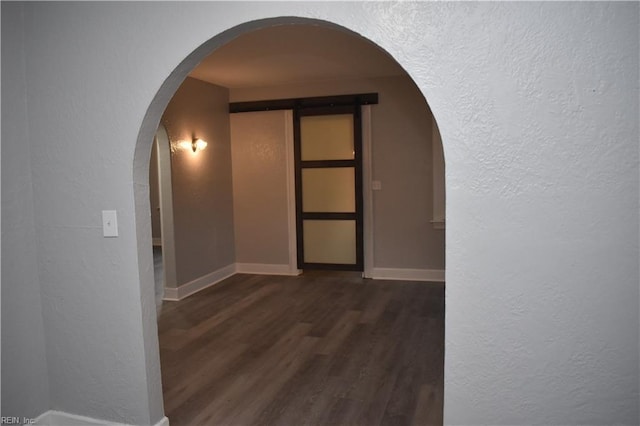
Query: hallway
(321, 348)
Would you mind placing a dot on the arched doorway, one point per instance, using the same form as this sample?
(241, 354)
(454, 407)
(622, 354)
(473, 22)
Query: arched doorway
(394, 272)
(161, 200)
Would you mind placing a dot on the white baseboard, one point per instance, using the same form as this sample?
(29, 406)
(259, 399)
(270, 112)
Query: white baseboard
(433, 275)
(170, 294)
(60, 418)
(266, 269)
(163, 422)
(179, 293)
(185, 290)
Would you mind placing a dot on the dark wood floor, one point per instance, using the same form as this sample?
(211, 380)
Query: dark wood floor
(319, 349)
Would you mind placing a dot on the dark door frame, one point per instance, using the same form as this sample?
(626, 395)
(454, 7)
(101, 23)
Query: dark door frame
(356, 163)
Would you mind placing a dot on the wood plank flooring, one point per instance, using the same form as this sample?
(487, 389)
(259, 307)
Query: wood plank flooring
(324, 348)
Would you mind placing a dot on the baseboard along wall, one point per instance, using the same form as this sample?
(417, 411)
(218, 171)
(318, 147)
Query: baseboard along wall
(185, 290)
(60, 418)
(431, 275)
(266, 269)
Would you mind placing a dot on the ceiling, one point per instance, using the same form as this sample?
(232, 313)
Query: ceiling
(290, 54)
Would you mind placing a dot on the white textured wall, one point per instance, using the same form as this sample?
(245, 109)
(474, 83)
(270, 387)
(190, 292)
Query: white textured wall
(537, 104)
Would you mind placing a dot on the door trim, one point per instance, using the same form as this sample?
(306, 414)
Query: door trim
(367, 194)
(291, 192)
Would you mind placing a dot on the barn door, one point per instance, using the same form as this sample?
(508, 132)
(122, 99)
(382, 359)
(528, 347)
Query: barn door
(328, 169)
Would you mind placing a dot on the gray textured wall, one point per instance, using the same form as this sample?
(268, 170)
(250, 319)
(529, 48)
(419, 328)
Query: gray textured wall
(537, 104)
(202, 182)
(260, 187)
(25, 383)
(402, 161)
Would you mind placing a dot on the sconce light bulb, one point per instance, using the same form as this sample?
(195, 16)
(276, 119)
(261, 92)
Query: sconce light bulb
(198, 145)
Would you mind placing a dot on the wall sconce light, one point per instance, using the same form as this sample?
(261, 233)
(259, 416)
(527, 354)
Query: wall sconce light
(198, 144)
(194, 145)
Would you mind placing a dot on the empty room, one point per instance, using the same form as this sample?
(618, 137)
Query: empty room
(306, 180)
(298, 273)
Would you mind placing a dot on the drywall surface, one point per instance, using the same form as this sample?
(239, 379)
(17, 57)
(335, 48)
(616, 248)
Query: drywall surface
(402, 162)
(25, 383)
(201, 181)
(537, 104)
(542, 205)
(101, 361)
(259, 158)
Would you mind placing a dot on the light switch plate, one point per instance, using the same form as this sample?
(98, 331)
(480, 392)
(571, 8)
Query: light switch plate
(109, 223)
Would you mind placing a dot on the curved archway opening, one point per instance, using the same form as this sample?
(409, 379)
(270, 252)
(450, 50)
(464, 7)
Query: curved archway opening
(405, 216)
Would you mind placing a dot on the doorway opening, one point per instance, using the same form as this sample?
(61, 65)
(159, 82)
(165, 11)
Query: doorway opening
(396, 200)
(161, 205)
(328, 157)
